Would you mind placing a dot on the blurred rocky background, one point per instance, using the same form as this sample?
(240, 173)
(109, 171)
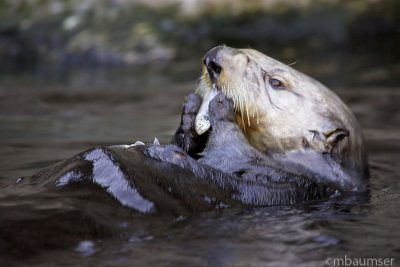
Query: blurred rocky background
(340, 42)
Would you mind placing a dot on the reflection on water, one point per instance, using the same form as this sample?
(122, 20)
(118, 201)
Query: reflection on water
(42, 123)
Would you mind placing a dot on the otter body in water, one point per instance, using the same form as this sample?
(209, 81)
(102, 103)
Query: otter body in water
(92, 195)
(268, 140)
(166, 179)
(256, 148)
(286, 115)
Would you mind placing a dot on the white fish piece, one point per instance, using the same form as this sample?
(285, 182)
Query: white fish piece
(202, 121)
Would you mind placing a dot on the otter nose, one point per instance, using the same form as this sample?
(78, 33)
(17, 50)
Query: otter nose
(212, 64)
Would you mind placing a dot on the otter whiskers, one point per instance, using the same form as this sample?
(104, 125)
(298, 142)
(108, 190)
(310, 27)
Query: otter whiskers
(242, 95)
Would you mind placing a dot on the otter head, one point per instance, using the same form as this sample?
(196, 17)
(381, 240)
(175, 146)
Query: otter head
(278, 108)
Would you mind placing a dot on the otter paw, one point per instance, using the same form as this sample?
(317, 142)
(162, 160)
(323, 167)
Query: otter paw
(190, 109)
(192, 104)
(185, 136)
(221, 107)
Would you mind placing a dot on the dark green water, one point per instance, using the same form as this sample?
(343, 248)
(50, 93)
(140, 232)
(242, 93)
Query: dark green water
(43, 121)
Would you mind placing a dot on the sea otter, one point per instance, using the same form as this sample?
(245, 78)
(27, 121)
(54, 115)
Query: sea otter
(252, 153)
(239, 161)
(285, 114)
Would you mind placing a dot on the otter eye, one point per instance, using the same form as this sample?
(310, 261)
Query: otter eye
(276, 84)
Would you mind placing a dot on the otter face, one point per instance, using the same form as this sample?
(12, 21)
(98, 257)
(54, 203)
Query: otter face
(278, 108)
(257, 84)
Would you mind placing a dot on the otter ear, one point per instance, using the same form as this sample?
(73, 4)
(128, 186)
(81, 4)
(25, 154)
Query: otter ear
(327, 141)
